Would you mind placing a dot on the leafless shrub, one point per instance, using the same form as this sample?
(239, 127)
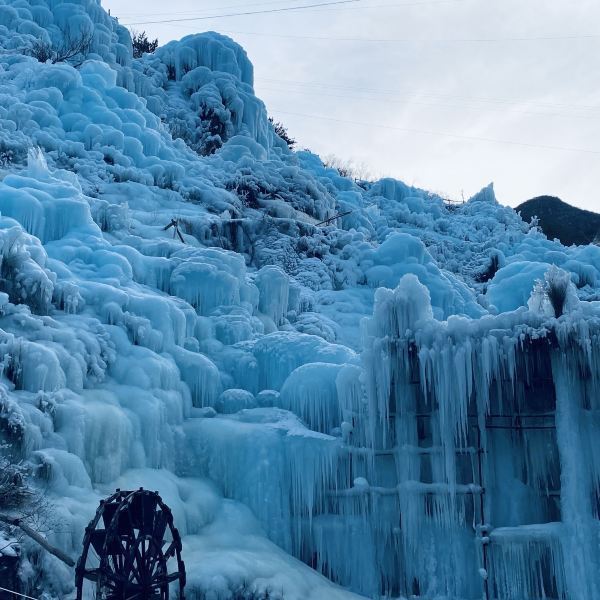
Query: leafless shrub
(73, 48)
(557, 287)
(41, 51)
(348, 168)
(14, 491)
(24, 509)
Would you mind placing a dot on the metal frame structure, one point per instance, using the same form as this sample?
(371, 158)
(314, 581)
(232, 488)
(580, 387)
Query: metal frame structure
(520, 410)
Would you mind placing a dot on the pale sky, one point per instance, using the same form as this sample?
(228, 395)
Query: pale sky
(427, 91)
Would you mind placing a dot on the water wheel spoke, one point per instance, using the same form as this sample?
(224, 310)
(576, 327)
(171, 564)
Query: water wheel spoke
(126, 537)
(117, 562)
(110, 585)
(143, 593)
(171, 550)
(132, 569)
(141, 569)
(153, 555)
(160, 526)
(155, 585)
(172, 577)
(92, 575)
(143, 550)
(155, 558)
(117, 577)
(130, 548)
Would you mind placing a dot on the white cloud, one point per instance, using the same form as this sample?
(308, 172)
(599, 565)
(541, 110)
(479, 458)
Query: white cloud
(540, 92)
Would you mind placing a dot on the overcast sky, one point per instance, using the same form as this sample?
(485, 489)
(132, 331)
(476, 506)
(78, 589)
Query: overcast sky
(444, 94)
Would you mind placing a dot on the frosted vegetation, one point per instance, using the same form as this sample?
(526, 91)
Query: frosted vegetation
(222, 361)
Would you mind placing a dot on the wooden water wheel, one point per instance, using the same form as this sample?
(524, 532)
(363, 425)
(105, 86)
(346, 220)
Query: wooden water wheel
(131, 550)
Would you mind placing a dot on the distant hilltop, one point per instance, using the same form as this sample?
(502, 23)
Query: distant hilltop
(560, 220)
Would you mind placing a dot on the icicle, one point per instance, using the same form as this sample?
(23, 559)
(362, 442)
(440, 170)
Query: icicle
(527, 562)
(580, 540)
(274, 287)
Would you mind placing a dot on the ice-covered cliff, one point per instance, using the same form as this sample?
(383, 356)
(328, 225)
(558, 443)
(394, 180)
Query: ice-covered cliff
(387, 402)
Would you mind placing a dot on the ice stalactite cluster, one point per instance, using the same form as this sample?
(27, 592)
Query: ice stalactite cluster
(106, 385)
(481, 443)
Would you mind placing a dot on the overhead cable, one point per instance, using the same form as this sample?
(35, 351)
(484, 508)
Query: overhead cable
(438, 133)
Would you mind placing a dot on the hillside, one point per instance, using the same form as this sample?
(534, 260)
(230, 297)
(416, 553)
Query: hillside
(304, 368)
(569, 224)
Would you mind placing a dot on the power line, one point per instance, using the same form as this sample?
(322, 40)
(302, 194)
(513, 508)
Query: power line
(439, 133)
(390, 92)
(393, 5)
(256, 12)
(135, 15)
(412, 101)
(591, 36)
(246, 5)
(362, 7)
(553, 38)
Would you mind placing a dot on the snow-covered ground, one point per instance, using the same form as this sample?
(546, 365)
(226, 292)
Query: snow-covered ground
(230, 371)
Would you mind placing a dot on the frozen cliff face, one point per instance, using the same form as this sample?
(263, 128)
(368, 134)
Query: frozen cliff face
(175, 314)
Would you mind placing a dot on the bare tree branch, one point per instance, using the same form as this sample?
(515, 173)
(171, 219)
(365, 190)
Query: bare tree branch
(37, 537)
(25, 507)
(70, 48)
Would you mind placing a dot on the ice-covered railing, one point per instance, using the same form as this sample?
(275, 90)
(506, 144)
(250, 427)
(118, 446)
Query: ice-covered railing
(521, 557)
(481, 436)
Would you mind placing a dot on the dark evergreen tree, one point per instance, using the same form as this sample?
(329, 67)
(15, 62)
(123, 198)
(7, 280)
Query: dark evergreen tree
(282, 132)
(141, 44)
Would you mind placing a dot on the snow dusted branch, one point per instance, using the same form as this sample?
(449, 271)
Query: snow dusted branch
(70, 48)
(26, 505)
(38, 538)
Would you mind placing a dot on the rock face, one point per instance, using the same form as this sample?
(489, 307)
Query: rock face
(569, 224)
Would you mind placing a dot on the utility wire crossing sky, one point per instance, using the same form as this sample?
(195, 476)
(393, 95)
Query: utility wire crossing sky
(244, 14)
(444, 94)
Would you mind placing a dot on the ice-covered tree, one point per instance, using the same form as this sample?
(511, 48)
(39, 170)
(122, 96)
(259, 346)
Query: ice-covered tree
(24, 509)
(555, 295)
